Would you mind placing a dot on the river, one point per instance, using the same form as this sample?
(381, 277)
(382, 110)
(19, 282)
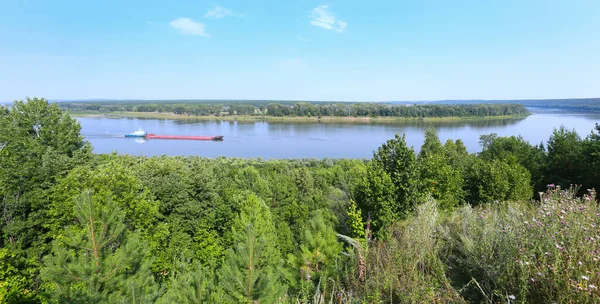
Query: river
(273, 140)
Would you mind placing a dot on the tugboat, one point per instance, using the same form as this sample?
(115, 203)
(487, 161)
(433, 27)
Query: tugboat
(139, 133)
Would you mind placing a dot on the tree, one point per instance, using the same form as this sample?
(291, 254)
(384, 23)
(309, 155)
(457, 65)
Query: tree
(565, 165)
(98, 260)
(252, 271)
(30, 131)
(592, 158)
(192, 283)
(515, 149)
(377, 197)
(390, 190)
(440, 180)
(489, 181)
(39, 144)
(432, 144)
(111, 180)
(318, 250)
(437, 176)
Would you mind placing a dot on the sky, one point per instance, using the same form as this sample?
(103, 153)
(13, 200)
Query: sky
(392, 50)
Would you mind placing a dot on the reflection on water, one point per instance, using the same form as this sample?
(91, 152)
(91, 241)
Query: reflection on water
(311, 140)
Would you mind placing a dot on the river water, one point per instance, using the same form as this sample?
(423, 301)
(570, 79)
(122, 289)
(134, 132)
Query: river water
(268, 140)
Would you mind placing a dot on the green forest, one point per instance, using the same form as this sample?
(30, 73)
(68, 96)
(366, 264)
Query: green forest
(515, 223)
(299, 109)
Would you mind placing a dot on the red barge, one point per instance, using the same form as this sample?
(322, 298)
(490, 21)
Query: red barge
(142, 134)
(185, 137)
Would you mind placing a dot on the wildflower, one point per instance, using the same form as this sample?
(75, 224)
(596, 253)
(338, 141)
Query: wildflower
(532, 280)
(585, 278)
(511, 297)
(559, 247)
(591, 286)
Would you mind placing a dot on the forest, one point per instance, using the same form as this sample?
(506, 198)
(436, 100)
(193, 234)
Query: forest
(299, 109)
(515, 223)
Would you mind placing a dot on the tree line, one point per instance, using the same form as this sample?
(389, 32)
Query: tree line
(441, 225)
(304, 109)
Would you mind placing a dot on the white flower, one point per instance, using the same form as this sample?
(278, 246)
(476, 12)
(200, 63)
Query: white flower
(585, 278)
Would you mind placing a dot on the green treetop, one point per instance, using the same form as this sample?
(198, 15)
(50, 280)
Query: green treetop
(252, 270)
(98, 261)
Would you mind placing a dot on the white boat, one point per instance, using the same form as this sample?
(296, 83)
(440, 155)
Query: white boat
(138, 133)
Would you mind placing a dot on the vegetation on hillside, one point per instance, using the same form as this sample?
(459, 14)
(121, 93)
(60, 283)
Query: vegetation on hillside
(441, 226)
(299, 109)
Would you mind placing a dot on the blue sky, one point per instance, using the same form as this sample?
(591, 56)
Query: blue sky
(300, 50)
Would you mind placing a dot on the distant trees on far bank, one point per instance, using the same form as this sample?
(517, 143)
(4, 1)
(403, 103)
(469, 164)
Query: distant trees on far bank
(304, 109)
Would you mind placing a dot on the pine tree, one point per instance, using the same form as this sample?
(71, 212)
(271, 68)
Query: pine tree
(252, 271)
(98, 261)
(317, 252)
(192, 283)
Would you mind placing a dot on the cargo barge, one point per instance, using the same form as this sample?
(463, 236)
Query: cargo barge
(142, 134)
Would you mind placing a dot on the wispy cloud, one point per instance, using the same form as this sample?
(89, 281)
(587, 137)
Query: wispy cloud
(218, 12)
(321, 17)
(188, 26)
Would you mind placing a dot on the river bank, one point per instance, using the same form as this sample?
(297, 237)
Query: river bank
(295, 119)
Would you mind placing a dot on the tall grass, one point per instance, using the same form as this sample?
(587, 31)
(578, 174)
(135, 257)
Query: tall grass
(541, 252)
(546, 251)
(408, 267)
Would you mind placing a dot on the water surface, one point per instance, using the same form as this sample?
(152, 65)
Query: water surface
(269, 140)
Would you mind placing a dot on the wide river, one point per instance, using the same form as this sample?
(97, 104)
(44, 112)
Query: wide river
(269, 140)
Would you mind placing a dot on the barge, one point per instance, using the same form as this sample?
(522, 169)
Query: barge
(142, 134)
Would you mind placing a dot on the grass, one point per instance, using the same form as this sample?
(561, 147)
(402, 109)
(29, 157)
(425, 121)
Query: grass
(545, 251)
(313, 119)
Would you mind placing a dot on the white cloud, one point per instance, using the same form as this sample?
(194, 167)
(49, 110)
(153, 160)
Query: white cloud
(218, 12)
(188, 26)
(321, 17)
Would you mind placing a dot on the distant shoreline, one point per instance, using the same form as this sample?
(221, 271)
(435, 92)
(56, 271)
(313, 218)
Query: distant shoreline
(314, 119)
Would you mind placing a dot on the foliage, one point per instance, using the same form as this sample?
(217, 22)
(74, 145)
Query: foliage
(565, 165)
(437, 175)
(192, 283)
(98, 260)
(515, 150)
(441, 226)
(38, 145)
(313, 262)
(390, 189)
(497, 181)
(252, 270)
(307, 109)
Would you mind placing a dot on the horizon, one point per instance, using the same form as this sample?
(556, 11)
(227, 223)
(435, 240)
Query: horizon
(311, 51)
(91, 100)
